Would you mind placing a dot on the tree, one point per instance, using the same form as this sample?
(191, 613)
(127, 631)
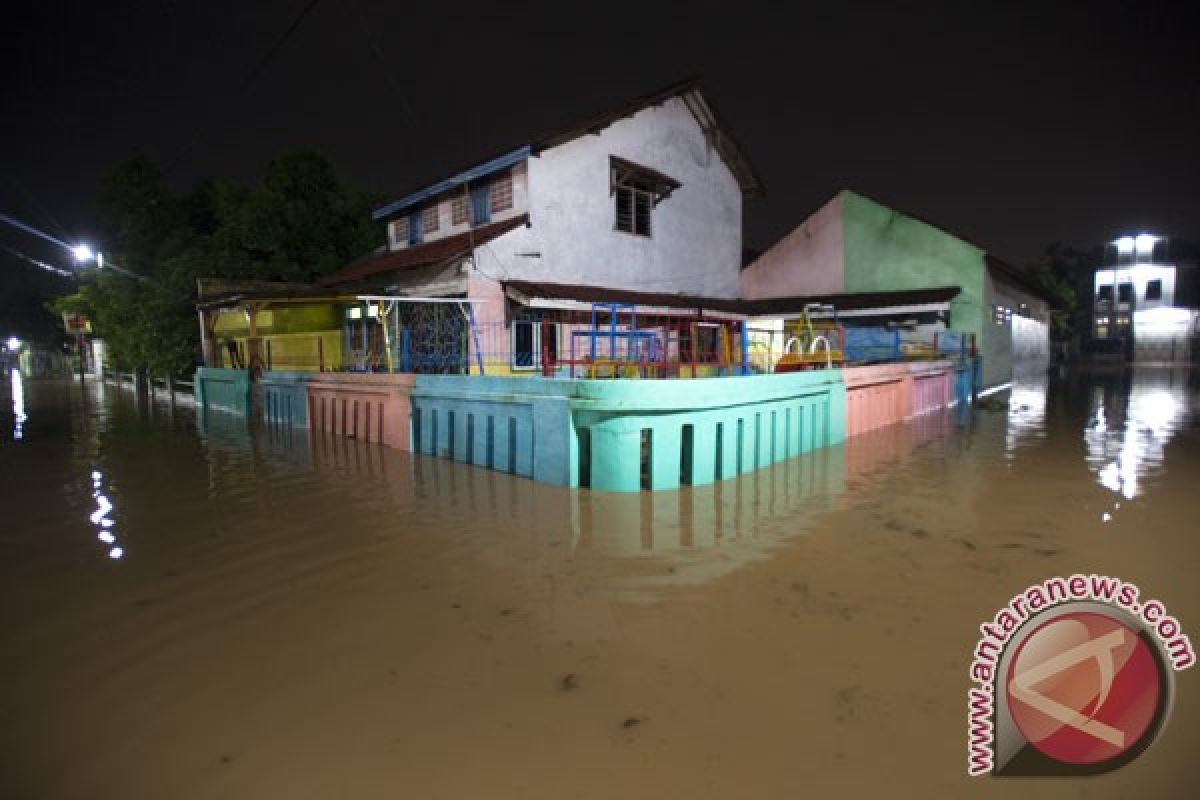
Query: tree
(1064, 274)
(299, 223)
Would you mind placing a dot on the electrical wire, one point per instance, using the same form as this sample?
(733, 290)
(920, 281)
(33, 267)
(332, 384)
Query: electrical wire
(16, 223)
(254, 74)
(37, 263)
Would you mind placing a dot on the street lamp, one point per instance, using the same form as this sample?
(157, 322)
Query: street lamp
(83, 254)
(13, 343)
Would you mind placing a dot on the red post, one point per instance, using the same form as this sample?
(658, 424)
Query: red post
(694, 330)
(547, 361)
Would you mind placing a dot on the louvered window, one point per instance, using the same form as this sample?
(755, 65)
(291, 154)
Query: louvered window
(636, 191)
(429, 219)
(459, 210)
(502, 193)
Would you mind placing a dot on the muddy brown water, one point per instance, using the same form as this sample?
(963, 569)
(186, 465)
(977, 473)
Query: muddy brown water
(264, 616)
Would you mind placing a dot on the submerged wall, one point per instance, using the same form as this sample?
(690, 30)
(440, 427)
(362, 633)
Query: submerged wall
(367, 406)
(222, 389)
(885, 394)
(609, 435)
(627, 435)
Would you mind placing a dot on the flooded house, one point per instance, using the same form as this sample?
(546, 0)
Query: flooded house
(606, 261)
(643, 200)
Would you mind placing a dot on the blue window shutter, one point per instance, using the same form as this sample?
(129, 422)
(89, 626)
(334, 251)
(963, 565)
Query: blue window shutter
(414, 228)
(481, 205)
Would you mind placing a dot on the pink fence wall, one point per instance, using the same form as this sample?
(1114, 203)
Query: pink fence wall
(932, 387)
(885, 394)
(370, 407)
(875, 396)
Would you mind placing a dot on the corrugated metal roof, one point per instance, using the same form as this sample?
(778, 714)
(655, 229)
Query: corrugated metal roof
(781, 306)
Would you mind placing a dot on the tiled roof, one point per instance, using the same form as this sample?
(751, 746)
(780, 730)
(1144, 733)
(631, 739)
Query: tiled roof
(422, 255)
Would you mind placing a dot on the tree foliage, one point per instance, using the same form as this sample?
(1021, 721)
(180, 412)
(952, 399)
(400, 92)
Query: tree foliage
(298, 223)
(1064, 275)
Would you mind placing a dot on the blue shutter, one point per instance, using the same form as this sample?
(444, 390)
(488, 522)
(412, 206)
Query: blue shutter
(414, 228)
(481, 205)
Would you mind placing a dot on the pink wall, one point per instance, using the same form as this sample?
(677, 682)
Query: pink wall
(884, 394)
(875, 396)
(807, 261)
(932, 386)
(369, 407)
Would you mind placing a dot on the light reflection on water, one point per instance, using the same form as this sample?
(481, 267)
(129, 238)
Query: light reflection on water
(1130, 424)
(17, 383)
(1026, 411)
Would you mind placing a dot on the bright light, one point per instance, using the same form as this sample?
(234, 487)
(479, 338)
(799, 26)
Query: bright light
(13, 343)
(100, 260)
(116, 553)
(1144, 243)
(83, 253)
(1163, 319)
(1125, 244)
(103, 507)
(18, 398)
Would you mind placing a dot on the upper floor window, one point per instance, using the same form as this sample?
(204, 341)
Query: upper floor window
(460, 210)
(1125, 293)
(1153, 290)
(400, 231)
(429, 219)
(636, 191)
(502, 193)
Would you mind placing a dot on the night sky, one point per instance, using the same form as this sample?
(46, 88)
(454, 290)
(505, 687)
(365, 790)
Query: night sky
(1013, 125)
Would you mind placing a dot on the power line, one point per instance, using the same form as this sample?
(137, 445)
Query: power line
(365, 24)
(16, 223)
(37, 206)
(258, 70)
(279, 43)
(37, 263)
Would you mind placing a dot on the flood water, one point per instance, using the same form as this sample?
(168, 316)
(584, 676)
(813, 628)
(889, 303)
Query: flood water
(190, 608)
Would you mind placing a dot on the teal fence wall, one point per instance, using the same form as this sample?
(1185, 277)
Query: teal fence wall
(222, 389)
(627, 435)
(284, 398)
(660, 434)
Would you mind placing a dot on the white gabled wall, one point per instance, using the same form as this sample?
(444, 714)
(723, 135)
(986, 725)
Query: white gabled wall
(696, 246)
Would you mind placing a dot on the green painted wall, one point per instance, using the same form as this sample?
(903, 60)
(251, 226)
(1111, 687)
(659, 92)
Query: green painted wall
(885, 250)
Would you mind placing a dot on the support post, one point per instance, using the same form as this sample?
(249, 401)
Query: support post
(475, 338)
(745, 347)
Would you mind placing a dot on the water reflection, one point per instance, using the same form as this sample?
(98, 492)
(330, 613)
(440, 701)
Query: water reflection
(18, 402)
(1026, 411)
(99, 517)
(1131, 421)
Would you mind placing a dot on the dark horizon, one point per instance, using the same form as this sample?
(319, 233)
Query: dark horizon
(1004, 128)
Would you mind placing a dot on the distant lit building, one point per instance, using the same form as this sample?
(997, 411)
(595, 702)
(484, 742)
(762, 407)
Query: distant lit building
(1139, 303)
